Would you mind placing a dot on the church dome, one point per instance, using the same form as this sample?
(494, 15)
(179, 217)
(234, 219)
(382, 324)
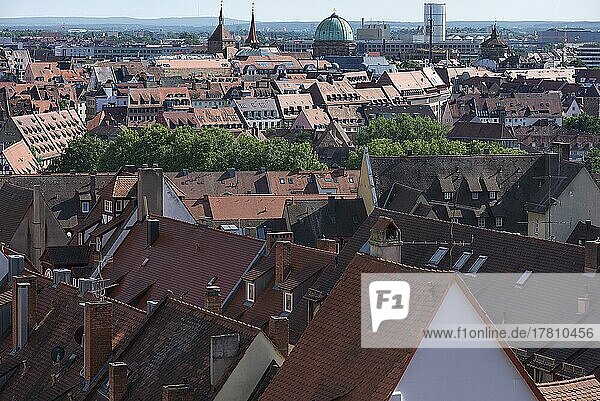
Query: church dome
(334, 29)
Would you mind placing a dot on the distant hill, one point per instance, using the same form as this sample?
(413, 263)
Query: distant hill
(206, 24)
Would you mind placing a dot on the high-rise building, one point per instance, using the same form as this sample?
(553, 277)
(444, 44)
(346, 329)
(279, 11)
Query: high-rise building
(436, 12)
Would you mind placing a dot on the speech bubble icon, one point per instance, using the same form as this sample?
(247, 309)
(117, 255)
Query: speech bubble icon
(389, 300)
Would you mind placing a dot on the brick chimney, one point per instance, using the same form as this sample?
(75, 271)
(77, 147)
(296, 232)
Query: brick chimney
(117, 381)
(592, 256)
(283, 263)
(223, 350)
(97, 328)
(24, 309)
(279, 333)
(16, 265)
(272, 238)
(328, 245)
(213, 300)
(178, 392)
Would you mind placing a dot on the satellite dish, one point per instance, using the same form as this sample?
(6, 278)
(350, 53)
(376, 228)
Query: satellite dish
(78, 336)
(57, 354)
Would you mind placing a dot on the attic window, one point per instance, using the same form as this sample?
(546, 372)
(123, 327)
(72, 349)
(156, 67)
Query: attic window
(462, 260)
(85, 207)
(474, 195)
(108, 206)
(250, 294)
(493, 195)
(351, 180)
(447, 196)
(477, 264)
(437, 256)
(282, 180)
(288, 302)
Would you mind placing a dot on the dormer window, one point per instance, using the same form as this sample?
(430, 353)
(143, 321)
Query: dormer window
(108, 206)
(481, 222)
(447, 196)
(119, 206)
(493, 195)
(250, 292)
(85, 207)
(499, 221)
(288, 302)
(474, 195)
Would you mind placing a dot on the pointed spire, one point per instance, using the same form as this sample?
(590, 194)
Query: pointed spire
(221, 19)
(494, 31)
(252, 36)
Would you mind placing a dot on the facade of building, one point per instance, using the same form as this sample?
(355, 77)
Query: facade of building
(589, 54)
(434, 17)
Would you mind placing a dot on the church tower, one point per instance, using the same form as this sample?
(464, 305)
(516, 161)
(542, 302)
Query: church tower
(252, 39)
(221, 38)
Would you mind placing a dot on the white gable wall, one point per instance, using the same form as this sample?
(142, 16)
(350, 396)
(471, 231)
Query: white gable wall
(462, 374)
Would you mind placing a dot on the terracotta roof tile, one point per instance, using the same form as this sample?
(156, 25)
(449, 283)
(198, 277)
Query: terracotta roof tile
(581, 389)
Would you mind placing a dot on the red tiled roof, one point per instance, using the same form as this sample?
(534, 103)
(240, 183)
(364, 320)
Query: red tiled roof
(246, 207)
(183, 259)
(59, 315)
(580, 389)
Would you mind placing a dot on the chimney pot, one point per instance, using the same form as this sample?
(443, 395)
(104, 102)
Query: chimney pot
(85, 285)
(213, 299)
(283, 256)
(117, 381)
(279, 333)
(592, 256)
(583, 305)
(151, 306)
(16, 265)
(97, 338)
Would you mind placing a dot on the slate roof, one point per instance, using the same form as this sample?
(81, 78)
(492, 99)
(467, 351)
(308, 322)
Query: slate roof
(184, 258)
(59, 315)
(173, 347)
(16, 202)
(310, 220)
(481, 131)
(582, 389)
(506, 252)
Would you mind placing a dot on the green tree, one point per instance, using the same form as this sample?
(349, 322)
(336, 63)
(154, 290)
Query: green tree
(592, 160)
(82, 155)
(402, 127)
(583, 122)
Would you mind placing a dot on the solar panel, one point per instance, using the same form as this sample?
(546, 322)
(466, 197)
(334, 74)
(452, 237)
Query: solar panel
(477, 264)
(462, 260)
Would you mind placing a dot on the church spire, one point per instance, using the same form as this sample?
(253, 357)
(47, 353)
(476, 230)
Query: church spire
(252, 36)
(221, 19)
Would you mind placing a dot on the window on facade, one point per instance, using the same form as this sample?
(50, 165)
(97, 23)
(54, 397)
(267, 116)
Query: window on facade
(351, 180)
(79, 238)
(250, 292)
(85, 207)
(288, 302)
(447, 196)
(455, 220)
(119, 206)
(481, 222)
(492, 195)
(499, 222)
(108, 206)
(282, 180)
(474, 195)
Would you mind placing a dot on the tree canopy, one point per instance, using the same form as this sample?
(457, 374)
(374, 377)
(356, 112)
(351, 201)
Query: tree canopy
(403, 127)
(173, 150)
(583, 122)
(592, 160)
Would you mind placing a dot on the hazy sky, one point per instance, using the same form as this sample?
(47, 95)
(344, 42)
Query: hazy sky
(392, 10)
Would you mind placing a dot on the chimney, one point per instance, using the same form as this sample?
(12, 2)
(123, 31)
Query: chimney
(223, 350)
(328, 245)
(151, 306)
(150, 187)
(117, 381)
(279, 333)
(272, 238)
(85, 285)
(283, 256)
(153, 231)
(24, 309)
(39, 228)
(178, 392)
(97, 338)
(385, 241)
(61, 276)
(93, 188)
(592, 256)
(563, 149)
(212, 301)
(16, 265)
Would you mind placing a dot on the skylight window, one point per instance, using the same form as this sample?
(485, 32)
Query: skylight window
(462, 260)
(477, 264)
(523, 279)
(437, 256)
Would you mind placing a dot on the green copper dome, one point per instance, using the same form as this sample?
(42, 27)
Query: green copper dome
(334, 29)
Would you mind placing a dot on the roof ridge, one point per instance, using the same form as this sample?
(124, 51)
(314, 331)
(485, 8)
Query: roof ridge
(567, 381)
